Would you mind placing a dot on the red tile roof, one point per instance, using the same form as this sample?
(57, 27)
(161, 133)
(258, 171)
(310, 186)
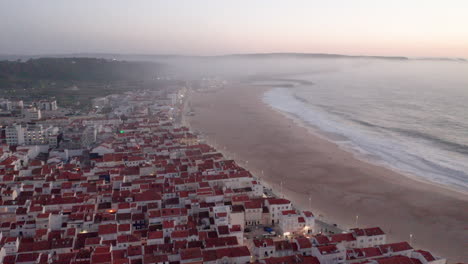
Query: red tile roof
(372, 231)
(107, 229)
(308, 214)
(395, 247)
(427, 255)
(223, 230)
(168, 224)
(292, 260)
(329, 249)
(101, 258)
(371, 252)
(180, 234)
(337, 238)
(303, 242)
(263, 242)
(220, 242)
(253, 204)
(191, 253)
(397, 260)
(278, 201)
(155, 235)
(215, 254)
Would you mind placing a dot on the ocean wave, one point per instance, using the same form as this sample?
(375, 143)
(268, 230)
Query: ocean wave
(408, 156)
(448, 145)
(451, 146)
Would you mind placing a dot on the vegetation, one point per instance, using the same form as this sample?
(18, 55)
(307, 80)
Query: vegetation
(74, 81)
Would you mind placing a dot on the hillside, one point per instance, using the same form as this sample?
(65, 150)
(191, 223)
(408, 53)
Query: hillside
(74, 81)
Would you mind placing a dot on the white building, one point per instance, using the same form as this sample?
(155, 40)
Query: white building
(237, 216)
(31, 134)
(330, 254)
(264, 248)
(369, 237)
(276, 206)
(309, 221)
(173, 97)
(37, 135)
(6, 104)
(102, 149)
(253, 213)
(18, 104)
(32, 114)
(89, 136)
(14, 135)
(291, 223)
(47, 105)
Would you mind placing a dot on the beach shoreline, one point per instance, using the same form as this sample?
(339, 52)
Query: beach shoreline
(341, 187)
(315, 131)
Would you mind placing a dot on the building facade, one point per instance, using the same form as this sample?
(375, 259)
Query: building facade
(31, 134)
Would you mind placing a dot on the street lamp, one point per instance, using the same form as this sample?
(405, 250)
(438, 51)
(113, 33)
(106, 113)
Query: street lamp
(282, 189)
(357, 218)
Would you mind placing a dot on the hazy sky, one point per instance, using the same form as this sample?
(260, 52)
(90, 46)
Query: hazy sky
(210, 27)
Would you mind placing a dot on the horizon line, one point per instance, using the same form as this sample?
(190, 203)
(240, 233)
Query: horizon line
(44, 55)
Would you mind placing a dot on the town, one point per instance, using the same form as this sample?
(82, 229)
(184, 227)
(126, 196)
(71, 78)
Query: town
(130, 183)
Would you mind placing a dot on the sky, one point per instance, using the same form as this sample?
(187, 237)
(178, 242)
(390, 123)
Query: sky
(413, 28)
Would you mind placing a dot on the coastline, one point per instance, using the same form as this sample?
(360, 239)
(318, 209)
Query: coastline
(340, 185)
(315, 131)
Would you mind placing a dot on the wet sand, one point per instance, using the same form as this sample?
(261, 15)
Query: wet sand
(236, 121)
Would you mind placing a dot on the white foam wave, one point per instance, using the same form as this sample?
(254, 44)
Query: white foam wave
(410, 158)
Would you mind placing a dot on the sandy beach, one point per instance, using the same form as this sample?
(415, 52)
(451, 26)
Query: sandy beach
(275, 148)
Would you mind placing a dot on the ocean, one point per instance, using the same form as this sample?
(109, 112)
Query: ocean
(408, 115)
